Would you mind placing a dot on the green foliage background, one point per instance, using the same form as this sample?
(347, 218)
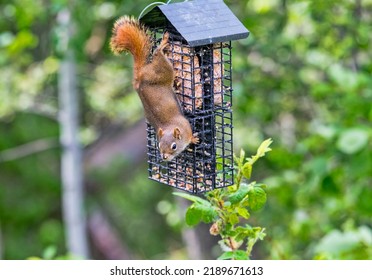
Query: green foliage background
(302, 78)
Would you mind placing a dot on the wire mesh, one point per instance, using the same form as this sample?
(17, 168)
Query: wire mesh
(203, 85)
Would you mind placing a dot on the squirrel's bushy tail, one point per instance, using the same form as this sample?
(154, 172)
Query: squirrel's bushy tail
(129, 35)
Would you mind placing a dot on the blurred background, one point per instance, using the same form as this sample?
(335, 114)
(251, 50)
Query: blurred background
(303, 78)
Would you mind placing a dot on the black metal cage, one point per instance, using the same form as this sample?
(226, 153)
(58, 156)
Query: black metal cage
(203, 85)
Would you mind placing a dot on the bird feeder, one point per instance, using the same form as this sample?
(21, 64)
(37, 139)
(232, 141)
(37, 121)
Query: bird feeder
(200, 35)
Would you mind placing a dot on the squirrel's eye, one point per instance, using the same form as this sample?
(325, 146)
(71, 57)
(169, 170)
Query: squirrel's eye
(174, 146)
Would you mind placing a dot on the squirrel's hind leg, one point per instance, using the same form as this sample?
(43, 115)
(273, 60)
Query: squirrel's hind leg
(160, 70)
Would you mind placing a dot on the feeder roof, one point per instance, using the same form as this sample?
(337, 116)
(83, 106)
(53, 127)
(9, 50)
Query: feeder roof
(200, 22)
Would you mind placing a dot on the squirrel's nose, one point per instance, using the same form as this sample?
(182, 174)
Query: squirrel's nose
(165, 156)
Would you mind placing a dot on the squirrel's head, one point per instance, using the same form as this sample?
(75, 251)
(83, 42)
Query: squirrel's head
(171, 143)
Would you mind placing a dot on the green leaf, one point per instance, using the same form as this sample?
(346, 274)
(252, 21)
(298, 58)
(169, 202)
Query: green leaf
(239, 195)
(247, 170)
(239, 160)
(242, 155)
(240, 255)
(243, 232)
(256, 198)
(234, 255)
(193, 216)
(352, 140)
(192, 198)
(243, 212)
(233, 218)
(201, 210)
(226, 256)
(208, 214)
(262, 186)
(264, 147)
(261, 234)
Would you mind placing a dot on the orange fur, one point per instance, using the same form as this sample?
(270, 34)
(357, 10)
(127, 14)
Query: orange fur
(129, 35)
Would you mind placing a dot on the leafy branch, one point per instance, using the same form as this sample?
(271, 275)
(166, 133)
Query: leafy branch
(228, 208)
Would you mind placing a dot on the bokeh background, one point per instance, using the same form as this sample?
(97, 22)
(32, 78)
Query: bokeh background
(302, 78)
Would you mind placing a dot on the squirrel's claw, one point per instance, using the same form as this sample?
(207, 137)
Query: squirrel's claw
(195, 139)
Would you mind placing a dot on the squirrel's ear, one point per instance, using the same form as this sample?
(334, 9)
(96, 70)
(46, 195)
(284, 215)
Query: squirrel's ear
(160, 133)
(177, 133)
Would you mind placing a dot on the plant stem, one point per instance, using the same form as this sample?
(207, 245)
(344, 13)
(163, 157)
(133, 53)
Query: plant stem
(239, 179)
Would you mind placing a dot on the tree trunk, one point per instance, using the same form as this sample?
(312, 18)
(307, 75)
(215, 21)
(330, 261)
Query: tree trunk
(71, 162)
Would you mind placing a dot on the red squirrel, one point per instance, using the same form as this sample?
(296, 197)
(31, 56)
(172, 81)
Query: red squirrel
(153, 82)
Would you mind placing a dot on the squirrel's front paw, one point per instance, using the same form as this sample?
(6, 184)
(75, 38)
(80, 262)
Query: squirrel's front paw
(195, 139)
(166, 37)
(164, 42)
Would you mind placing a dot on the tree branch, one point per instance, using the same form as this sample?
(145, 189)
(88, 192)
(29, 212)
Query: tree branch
(27, 149)
(105, 238)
